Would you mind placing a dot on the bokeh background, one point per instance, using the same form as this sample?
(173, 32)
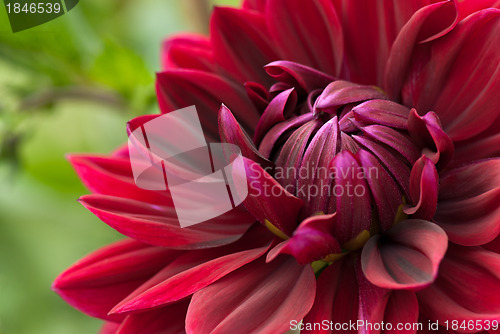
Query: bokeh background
(69, 86)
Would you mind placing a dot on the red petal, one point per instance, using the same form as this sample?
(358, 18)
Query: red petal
(189, 52)
(468, 207)
(402, 308)
(258, 298)
(467, 288)
(158, 225)
(310, 35)
(382, 112)
(425, 25)
(102, 279)
(407, 257)
(424, 184)
(259, 5)
(109, 327)
(242, 44)
(298, 76)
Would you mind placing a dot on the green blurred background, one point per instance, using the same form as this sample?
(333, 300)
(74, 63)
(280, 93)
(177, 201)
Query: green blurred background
(69, 85)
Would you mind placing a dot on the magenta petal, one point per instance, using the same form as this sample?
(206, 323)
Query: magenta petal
(280, 107)
(424, 184)
(426, 24)
(298, 76)
(165, 320)
(257, 298)
(309, 35)
(242, 44)
(231, 132)
(337, 296)
(268, 200)
(469, 198)
(189, 52)
(95, 284)
(467, 288)
(109, 327)
(427, 133)
(352, 197)
(382, 112)
(311, 241)
(406, 257)
(158, 225)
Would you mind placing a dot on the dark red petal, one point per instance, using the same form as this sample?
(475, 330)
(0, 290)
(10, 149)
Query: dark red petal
(310, 35)
(158, 225)
(242, 44)
(406, 257)
(311, 241)
(258, 94)
(283, 105)
(337, 296)
(113, 176)
(259, 5)
(467, 288)
(189, 52)
(352, 197)
(268, 201)
(469, 203)
(231, 132)
(183, 88)
(258, 298)
(95, 284)
(298, 76)
(196, 270)
(165, 320)
(402, 308)
(427, 133)
(425, 25)
(424, 184)
(382, 112)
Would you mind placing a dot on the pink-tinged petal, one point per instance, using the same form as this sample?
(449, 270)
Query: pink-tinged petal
(311, 241)
(258, 298)
(427, 133)
(370, 28)
(258, 94)
(372, 300)
(382, 112)
(181, 88)
(317, 183)
(424, 184)
(459, 77)
(113, 176)
(95, 284)
(352, 194)
(189, 52)
(292, 153)
(259, 5)
(109, 327)
(398, 169)
(402, 308)
(337, 296)
(268, 201)
(466, 8)
(385, 191)
(340, 93)
(158, 225)
(267, 145)
(469, 203)
(309, 35)
(282, 106)
(207, 267)
(406, 257)
(427, 24)
(467, 288)
(298, 76)
(231, 132)
(242, 44)
(394, 139)
(165, 320)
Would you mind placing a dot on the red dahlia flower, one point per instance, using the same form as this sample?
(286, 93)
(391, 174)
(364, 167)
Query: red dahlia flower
(388, 110)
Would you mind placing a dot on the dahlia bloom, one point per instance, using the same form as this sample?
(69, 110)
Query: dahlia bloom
(370, 132)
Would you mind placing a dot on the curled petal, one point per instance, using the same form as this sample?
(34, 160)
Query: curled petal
(467, 288)
(259, 297)
(424, 184)
(297, 75)
(426, 131)
(311, 241)
(158, 225)
(407, 257)
(469, 203)
(382, 112)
